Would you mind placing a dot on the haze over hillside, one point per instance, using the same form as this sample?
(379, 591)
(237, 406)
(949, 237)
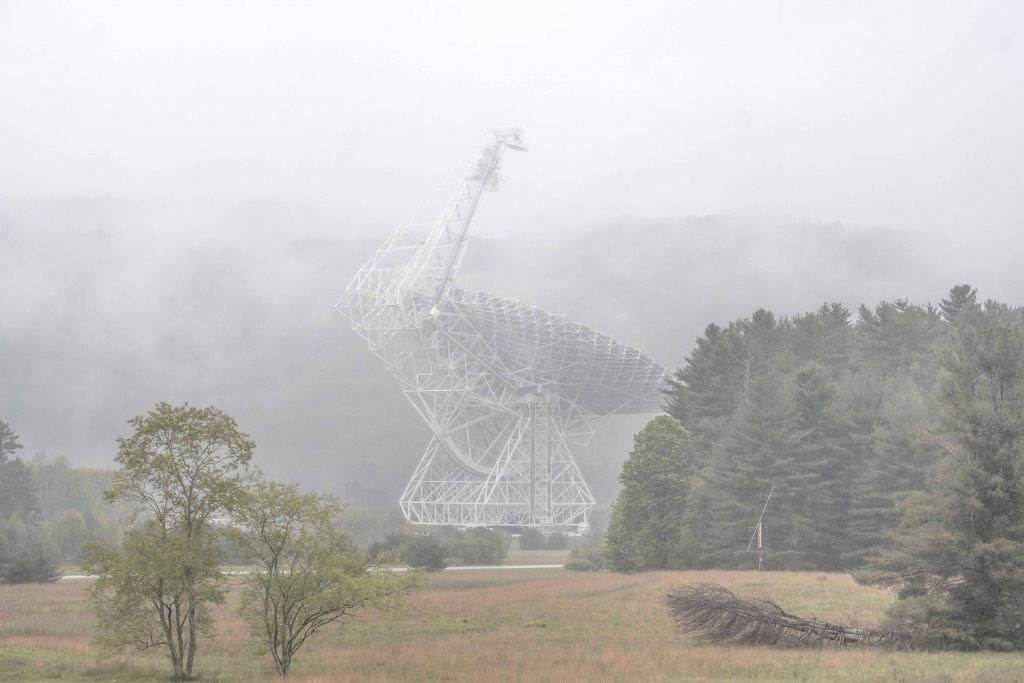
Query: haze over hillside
(186, 188)
(114, 305)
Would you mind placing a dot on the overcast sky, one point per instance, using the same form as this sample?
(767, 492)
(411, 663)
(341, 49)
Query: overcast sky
(905, 115)
(249, 155)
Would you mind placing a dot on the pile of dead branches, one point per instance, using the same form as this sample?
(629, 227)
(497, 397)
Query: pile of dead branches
(714, 614)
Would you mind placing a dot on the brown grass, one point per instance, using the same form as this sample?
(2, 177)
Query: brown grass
(536, 625)
(536, 557)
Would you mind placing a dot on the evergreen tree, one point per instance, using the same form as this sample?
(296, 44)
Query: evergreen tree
(704, 393)
(26, 556)
(891, 456)
(959, 556)
(961, 306)
(17, 488)
(995, 314)
(847, 427)
(760, 449)
(900, 337)
(822, 466)
(646, 527)
(825, 337)
(8, 442)
(18, 491)
(766, 343)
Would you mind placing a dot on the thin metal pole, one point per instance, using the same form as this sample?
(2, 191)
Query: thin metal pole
(757, 535)
(760, 547)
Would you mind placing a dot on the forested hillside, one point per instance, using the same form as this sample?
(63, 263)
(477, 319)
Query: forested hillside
(837, 411)
(114, 305)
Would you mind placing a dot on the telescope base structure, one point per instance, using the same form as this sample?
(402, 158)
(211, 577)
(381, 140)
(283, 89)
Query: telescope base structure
(533, 482)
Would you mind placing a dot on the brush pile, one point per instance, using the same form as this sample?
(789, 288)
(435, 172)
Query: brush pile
(714, 614)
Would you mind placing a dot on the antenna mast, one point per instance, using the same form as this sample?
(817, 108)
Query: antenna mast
(758, 534)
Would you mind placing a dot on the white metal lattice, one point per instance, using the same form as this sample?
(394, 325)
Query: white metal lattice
(507, 389)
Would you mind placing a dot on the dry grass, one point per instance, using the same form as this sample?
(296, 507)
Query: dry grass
(537, 625)
(536, 557)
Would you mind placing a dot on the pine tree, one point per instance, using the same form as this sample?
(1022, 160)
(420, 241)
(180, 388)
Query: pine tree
(26, 555)
(959, 556)
(825, 337)
(848, 430)
(961, 306)
(888, 458)
(705, 391)
(704, 394)
(900, 337)
(822, 468)
(18, 493)
(8, 442)
(759, 449)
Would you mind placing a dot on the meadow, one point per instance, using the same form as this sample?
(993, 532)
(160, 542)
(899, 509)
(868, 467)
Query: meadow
(500, 625)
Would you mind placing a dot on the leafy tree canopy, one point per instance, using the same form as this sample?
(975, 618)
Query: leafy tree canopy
(645, 531)
(310, 575)
(179, 468)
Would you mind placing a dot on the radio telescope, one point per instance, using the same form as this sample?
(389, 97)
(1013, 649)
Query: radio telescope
(507, 389)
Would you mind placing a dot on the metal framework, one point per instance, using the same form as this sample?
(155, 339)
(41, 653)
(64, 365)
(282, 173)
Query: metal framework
(507, 389)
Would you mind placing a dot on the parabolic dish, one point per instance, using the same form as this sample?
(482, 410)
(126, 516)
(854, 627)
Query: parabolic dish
(569, 359)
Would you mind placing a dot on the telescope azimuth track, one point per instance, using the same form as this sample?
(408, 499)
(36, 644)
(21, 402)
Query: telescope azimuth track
(506, 389)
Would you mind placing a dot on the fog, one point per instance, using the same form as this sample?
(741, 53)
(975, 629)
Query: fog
(186, 188)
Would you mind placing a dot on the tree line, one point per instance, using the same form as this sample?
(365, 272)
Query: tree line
(839, 414)
(895, 444)
(48, 509)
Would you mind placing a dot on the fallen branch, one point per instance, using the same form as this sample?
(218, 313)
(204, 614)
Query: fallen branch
(713, 613)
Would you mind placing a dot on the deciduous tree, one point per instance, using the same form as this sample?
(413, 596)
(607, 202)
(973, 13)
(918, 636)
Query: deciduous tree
(180, 467)
(68, 531)
(646, 527)
(310, 576)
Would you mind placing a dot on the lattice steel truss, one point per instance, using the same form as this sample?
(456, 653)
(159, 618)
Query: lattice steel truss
(506, 389)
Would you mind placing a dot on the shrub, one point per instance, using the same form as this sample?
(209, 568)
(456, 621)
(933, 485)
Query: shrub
(531, 539)
(558, 541)
(480, 547)
(424, 552)
(579, 564)
(592, 554)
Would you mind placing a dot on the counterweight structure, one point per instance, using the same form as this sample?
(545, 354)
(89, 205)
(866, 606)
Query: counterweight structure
(507, 389)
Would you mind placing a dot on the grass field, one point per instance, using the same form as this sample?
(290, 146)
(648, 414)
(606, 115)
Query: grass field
(536, 625)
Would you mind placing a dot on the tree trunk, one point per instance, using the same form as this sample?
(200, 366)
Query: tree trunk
(286, 659)
(178, 646)
(191, 640)
(167, 622)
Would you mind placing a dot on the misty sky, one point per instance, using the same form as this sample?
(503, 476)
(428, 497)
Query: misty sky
(894, 114)
(230, 164)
